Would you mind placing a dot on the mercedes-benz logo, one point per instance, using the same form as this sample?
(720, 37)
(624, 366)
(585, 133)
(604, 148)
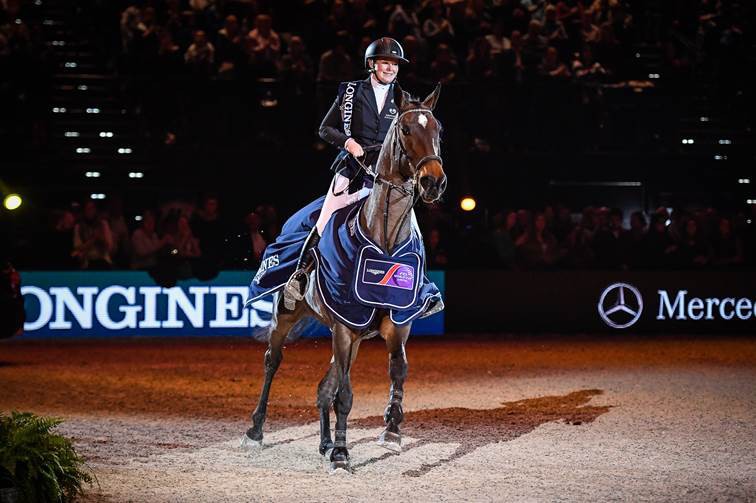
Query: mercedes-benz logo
(621, 311)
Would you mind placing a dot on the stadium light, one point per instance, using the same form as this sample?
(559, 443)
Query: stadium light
(468, 203)
(12, 202)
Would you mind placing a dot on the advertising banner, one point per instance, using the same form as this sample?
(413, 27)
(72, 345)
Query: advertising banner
(711, 302)
(129, 303)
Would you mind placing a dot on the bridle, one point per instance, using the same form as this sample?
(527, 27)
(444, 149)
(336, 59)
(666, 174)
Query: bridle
(396, 159)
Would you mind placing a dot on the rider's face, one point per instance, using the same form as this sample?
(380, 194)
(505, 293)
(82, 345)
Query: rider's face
(386, 70)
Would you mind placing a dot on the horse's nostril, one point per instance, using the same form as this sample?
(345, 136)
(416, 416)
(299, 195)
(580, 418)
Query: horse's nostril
(427, 181)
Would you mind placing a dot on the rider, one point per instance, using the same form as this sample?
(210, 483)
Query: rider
(357, 123)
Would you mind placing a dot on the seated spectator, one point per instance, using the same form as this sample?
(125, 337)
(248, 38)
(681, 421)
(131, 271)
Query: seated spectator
(589, 32)
(92, 240)
(339, 17)
(200, 56)
(230, 52)
(170, 62)
(257, 242)
(264, 46)
(403, 21)
(608, 48)
(503, 237)
(295, 69)
(436, 253)
(119, 231)
(634, 252)
(537, 248)
(580, 240)
(562, 223)
(335, 64)
(534, 43)
(727, 248)
(586, 68)
(693, 250)
(510, 65)
(553, 28)
(659, 246)
(146, 246)
(362, 22)
(186, 244)
(608, 239)
(479, 61)
(444, 68)
(498, 42)
(551, 67)
(209, 229)
(437, 29)
(58, 244)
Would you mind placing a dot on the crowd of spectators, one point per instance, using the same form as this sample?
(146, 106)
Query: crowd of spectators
(596, 238)
(542, 63)
(472, 41)
(175, 241)
(179, 240)
(446, 41)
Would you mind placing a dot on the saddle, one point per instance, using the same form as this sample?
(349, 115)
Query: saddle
(354, 276)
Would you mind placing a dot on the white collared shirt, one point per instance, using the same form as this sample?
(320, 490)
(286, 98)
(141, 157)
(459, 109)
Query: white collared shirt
(380, 91)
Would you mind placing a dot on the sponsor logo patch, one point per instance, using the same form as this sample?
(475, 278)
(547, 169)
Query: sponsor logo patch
(390, 274)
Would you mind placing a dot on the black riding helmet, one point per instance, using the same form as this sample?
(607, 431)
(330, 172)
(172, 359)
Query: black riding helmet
(385, 47)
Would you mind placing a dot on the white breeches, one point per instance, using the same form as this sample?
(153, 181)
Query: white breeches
(333, 203)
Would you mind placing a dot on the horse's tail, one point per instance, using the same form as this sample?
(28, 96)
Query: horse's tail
(301, 327)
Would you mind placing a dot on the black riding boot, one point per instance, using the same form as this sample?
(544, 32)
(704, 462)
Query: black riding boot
(297, 285)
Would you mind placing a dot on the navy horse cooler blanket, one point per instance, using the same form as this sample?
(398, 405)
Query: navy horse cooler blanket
(355, 277)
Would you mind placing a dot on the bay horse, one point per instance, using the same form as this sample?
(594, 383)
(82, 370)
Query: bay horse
(408, 167)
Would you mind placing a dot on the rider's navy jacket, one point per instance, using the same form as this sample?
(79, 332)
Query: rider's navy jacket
(354, 114)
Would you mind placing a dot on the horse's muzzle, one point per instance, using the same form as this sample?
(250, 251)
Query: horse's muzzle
(432, 187)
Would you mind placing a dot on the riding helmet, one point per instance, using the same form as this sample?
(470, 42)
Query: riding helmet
(385, 47)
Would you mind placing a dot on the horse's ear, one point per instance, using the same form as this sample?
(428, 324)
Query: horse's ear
(432, 99)
(402, 97)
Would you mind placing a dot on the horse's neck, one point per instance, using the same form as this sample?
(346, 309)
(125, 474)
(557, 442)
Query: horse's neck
(392, 230)
(386, 232)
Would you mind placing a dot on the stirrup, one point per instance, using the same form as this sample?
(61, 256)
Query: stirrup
(293, 292)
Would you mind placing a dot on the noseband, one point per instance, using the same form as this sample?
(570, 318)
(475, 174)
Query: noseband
(397, 159)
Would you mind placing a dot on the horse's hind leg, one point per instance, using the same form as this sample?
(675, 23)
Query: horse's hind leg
(336, 387)
(396, 337)
(281, 323)
(327, 389)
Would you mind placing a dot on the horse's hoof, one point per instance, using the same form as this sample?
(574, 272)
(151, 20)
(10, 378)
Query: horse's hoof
(250, 445)
(325, 450)
(339, 467)
(391, 441)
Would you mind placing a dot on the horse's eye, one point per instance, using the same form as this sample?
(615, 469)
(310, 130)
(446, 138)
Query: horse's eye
(405, 130)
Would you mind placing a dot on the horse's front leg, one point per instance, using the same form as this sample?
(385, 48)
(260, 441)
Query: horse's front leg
(345, 346)
(396, 338)
(281, 323)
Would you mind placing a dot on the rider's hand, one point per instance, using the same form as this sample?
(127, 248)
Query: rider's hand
(354, 148)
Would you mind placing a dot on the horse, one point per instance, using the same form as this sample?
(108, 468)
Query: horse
(409, 168)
